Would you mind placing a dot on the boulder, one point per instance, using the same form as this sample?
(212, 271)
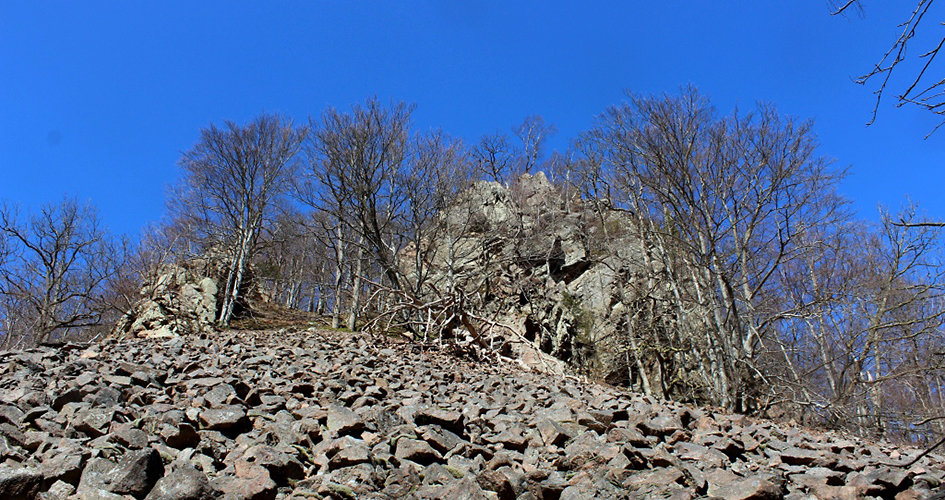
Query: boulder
(19, 483)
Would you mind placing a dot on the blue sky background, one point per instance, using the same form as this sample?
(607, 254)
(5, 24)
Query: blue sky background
(98, 99)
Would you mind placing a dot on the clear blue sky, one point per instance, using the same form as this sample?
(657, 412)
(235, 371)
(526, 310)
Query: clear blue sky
(98, 99)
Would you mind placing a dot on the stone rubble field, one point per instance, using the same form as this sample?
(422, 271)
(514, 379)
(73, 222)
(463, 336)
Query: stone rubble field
(313, 414)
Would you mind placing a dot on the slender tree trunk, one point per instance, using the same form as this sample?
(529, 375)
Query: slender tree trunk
(234, 280)
(356, 286)
(339, 259)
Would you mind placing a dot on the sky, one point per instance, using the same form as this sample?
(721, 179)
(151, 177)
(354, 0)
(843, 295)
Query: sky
(99, 99)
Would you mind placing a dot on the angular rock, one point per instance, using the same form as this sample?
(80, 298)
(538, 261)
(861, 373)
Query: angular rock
(350, 456)
(20, 483)
(58, 491)
(553, 433)
(251, 482)
(93, 422)
(750, 488)
(180, 436)
(447, 419)
(798, 456)
(498, 482)
(136, 473)
(661, 425)
(65, 466)
(229, 418)
(282, 467)
(185, 483)
(343, 421)
(416, 451)
(132, 438)
(653, 477)
(440, 439)
(706, 457)
(464, 489)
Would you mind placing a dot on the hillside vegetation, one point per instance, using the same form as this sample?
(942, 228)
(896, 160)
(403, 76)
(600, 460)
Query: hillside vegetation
(674, 250)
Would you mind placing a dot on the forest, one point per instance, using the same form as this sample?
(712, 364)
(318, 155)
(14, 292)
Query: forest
(736, 275)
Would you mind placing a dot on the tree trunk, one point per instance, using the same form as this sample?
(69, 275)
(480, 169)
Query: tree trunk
(356, 286)
(339, 259)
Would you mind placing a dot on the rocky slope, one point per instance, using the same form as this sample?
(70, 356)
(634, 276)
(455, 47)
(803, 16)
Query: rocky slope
(310, 414)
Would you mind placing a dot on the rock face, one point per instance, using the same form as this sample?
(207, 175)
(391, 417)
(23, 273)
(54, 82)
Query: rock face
(278, 415)
(179, 299)
(561, 283)
(183, 299)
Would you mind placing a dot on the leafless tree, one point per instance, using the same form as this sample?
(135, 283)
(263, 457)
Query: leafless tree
(232, 177)
(721, 203)
(288, 260)
(381, 188)
(433, 179)
(494, 157)
(867, 315)
(54, 274)
(497, 158)
(533, 132)
(355, 158)
(924, 89)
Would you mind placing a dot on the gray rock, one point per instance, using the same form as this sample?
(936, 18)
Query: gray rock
(96, 477)
(65, 466)
(136, 473)
(436, 474)
(251, 482)
(11, 415)
(130, 437)
(93, 422)
(282, 467)
(447, 419)
(229, 418)
(464, 489)
(662, 425)
(350, 456)
(343, 421)
(553, 433)
(750, 488)
(180, 436)
(498, 482)
(797, 456)
(705, 457)
(519, 432)
(220, 395)
(58, 491)
(19, 483)
(440, 439)
(416, 451)
(185, 483)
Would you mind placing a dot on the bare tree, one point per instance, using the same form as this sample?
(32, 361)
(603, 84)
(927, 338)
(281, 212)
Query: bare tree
(533, 132)
(232, 177)
(288, 261)
(720, 203)
(858, 350)
(923, 89)
(355, 158)
(494, 157)
(435, 176)
(55, 270)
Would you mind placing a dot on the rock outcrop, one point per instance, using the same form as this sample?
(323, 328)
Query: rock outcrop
(557, 282)
(311, 414)
(178, 299)
(183, 298)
